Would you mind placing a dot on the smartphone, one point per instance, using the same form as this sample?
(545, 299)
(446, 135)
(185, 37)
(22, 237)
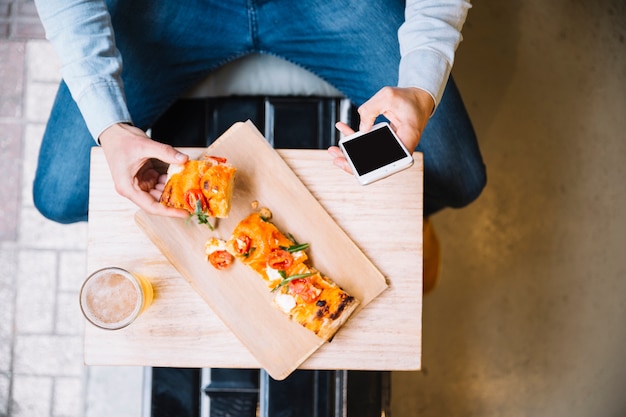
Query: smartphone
(375, 154)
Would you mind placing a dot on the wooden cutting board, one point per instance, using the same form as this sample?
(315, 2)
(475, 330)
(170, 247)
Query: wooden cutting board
(237, 295)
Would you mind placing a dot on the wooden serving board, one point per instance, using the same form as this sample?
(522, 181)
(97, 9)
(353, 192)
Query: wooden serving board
(237, 295)
(180, 329)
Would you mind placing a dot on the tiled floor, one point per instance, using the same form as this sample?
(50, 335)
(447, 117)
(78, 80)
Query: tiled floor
(528, 319)
(19, 20)
(43, 264)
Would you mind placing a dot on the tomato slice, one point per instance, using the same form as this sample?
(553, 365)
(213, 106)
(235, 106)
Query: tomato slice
(192, 197)
(242, 244)
(305, 289)
(279, 259)
(218, 159)
(221, 259)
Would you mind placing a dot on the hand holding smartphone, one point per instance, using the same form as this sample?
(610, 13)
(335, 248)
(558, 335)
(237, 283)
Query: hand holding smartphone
(375, 154)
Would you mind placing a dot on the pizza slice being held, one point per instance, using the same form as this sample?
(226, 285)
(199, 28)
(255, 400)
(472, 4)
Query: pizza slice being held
(202, 187)
(303, 293)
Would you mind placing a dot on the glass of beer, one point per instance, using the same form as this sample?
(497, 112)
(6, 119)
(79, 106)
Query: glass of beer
(112, 298)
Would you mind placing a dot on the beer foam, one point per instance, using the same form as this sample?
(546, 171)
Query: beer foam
(110, 299)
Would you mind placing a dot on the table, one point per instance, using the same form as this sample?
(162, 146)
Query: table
(180, 330)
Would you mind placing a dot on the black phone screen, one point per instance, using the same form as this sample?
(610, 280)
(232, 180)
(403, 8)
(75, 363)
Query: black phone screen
(374, 150)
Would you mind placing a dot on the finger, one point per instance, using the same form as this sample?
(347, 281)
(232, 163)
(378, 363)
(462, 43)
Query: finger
(370, 110)
(335, 152)
(367, 120)
(147, 178)
(156, 194)
(162, 179)
(149, 204)
(342, 163)
(344, 128)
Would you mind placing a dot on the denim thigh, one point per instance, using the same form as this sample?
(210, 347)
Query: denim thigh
(354, 46)
(169, 46)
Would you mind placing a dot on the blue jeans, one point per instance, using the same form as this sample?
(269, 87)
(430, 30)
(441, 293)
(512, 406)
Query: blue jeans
(169, 46)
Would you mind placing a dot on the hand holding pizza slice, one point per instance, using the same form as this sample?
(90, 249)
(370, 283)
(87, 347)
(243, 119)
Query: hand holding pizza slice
(203, 187)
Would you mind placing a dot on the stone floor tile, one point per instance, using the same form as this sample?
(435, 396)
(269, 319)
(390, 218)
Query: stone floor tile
(36, 287)
(8, 260)
(6, 356)
(5, 9)
(39, 99)
(69, 319)
(32, 396)
(42, 63)
(68, 397)
(10, 154)
(25, 21)
(5, 394)
(35, 231)
(124, 383)
(5, 29)
(72, 270)
(7, 315)
(48, 355)
(11, 78)
(31, 143)
(28, 28)
(26, 9)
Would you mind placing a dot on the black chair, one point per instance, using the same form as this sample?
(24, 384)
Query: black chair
(294, 109)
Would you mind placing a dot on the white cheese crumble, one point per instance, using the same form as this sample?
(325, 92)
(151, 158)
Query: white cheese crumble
(214, 245)
(272, 274)
(285, 302)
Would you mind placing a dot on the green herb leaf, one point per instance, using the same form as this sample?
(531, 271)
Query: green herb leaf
(203, 218)
(295, 248)
(287, 280)
(252, 249)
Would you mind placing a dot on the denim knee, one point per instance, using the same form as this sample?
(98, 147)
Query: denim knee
(453, 191)
(58, 206)
(471, 187)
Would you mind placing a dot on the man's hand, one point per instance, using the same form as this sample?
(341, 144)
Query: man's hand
(407, 109)
(130, 154)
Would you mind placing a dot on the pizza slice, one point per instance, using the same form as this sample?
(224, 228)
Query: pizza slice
(304, 294)
(203, 187)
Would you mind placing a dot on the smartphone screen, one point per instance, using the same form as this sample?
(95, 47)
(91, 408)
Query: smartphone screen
(374, 150)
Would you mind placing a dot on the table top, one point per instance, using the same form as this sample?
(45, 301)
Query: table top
(179, 329)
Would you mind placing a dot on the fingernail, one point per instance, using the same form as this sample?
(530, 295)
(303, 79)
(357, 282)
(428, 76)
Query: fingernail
(180, 157)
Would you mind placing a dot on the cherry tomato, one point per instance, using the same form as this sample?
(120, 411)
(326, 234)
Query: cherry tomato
(305, 289)
(279, 259)
(192, 197)
(221, 259)
(242, 244)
